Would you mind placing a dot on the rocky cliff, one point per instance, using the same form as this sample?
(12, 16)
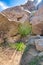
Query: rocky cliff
(11, 17)
(9, 22)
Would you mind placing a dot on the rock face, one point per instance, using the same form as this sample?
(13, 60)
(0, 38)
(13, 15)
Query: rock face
(8, 29)
(29, 6)
(19, 13)
(16, 14)
(10, 19)
(37, 22)
(39, 44)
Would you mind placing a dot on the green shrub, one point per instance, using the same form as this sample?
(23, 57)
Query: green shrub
(18, 46)
(25, 29)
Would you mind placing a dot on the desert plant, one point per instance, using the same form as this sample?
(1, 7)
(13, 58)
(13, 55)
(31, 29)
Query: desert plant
(20, 46)
(25, 29)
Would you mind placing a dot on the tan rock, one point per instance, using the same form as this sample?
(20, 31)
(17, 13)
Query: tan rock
(40, 11)
(8, 29)
(39, 44)
(37, 22)
(38, 28)
(13, 39)
(10, 56)
(1, 40)
(16, 14)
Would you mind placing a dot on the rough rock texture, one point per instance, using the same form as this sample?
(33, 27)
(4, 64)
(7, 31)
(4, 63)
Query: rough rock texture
(12, 17)
(19, 13)
(8, 29)
(37, 22)
(16, 14)
(13, 39)
(39, 44)
(29, 6)
(9, 56)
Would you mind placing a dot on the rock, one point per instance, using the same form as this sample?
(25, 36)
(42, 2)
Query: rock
(19, 13)
(1, 40)
(40, 11)
(10, 56)
(29, 6)
(40, 54)
(30, 39)
(13, 39)
(33, 52)
(8, 29)
(39, 44)
(37, 22)
(16, 14)
(41, 63)
(38, 29)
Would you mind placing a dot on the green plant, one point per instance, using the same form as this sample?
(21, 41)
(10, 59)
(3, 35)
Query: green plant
(18, 46)
(25, 29)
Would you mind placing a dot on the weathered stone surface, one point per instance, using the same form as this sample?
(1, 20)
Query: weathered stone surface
(19, 13)
(37, 22)
(29, 6)
(9, 57)
(30, 39)
(13, 39)
(40, 54)
(16, 14)
(1, 40)
(8, 29)
(33, 52)
(38, 28)
(39, 44)
(40, 11)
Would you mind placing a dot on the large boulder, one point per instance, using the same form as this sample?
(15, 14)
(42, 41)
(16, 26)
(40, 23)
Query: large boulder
(8, 29)
(37, 22)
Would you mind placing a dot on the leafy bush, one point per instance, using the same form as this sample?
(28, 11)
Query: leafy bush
(18, 46)
(25, 29)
